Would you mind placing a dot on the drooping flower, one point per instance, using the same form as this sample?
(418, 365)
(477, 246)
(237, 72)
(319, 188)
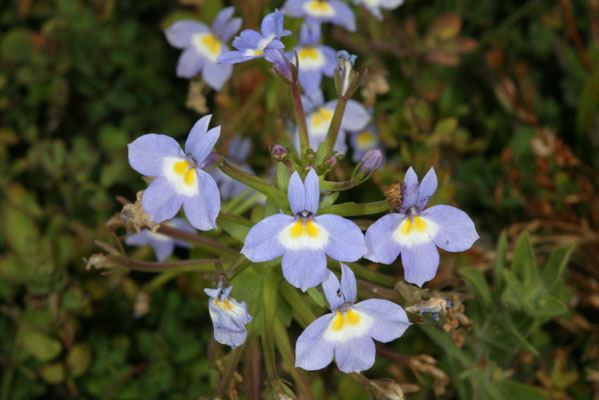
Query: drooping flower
(251, 44)
(228, 316)
(317, 11)
(374, 6)
(319, 116)
(364, 140)
(180, 180)
(314, 59)
(237, 153)
(162, 244)
(416, 232)
(304, 239)
(203, 45)
(347, 333)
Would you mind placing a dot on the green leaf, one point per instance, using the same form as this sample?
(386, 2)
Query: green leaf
(500, 262)
(524, 265)
(40, 346)
(53, 373)
(549, 306)
(20, 231)
(269, 305)
(512, 294)
(478, 283)
(79, 359)
(16, 45)
(317, 296)
(555, 266)
(509, 326)
(282, 176)
(518, 391)
(234, 228)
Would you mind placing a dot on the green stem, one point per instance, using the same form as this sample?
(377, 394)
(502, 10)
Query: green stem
(368, 275)
(269, 306)
(200, 265)
(229, 369)
(301, 310)
(337, 186)
(235, 219)
(352, 209)
(300, 118)
(237, 267)
(326, 148)
(202, 241)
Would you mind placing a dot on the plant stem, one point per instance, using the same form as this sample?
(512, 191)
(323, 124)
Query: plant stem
(337, 186)
(300, 118)
(202, 241)
(301, 310)
(200, 265)
(326, 148)
(352, 209)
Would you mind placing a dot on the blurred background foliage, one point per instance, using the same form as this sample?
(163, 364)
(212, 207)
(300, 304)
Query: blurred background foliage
(502, 98)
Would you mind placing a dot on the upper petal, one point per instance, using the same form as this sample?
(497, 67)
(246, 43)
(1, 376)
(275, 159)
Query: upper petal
(200, 141)
(190, 63)
(147, 152)
(312, 351)
(221, 19)
(427, 188)
(379, 239)
(216, 75)
(391, 319)
(456, 231)
(262, 243)
(410, 189)
(346, 241)
(312, 191)
(230, 29)
(179, 34)
(332, 290)
(348, 284)
(296, 193)
(344, 15)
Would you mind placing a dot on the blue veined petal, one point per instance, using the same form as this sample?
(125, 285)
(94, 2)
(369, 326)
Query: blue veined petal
(160, 200)
(304, 268)
(202, 209)
(312, 352)
(427, 188)
(147, 153)
(296, 193)
(391, 319)
(138, 239)
(200, 140)
(410, 189)
(179, 34)
(346, 241)
(420, 262)
(348, 284)
(190, 63)
(381, 247)
(216, 75)
(234, 57)
(355, 355)
(312, 191)
(262, 242)
(456, 230)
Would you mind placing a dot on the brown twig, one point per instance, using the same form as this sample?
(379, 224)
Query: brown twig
(198, 239)
(575, 35)
(150, 266)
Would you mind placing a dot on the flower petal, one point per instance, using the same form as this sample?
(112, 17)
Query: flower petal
(348, 284)
(138, 239)
(201, 210)
(216, 75)
(311, 187)
(346, 241)
(296, 193)
(410, 189)
(272, 24)
(355, 355)
(294, 8)
(179, 34)
(230, 29)
(355, 118)
(190, 63)
(332, 290)
(456, 230)
(200, 141)
(221, 19)
(391, 319)
(420, 262)
(147, 152)
(163, 248)
(427, 188)
(230, 338)
(262, 243)
(344, 16)
(161, 200)
(304, 268)
(312, 352)
(380, 245)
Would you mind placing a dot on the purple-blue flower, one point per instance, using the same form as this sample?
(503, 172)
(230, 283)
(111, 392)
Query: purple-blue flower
(180, 180)
(374, 6)
(229, 317)
(314, 59)
(237, 154)
(317, 11)
(203, 45)
(319, 116)
(304, 239)
(347, 333)
(415, 232)
(251, 44)
(162, 244)
(364, 140)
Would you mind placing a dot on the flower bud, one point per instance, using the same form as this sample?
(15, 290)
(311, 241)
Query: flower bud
(372, 160)
(346, 65)
(331, 162)
(279, 152)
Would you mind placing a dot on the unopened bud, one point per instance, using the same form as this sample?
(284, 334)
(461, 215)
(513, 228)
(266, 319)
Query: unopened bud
(386, 389)
(372, 160)
(279, 152)
(331, 162)
(346, 65)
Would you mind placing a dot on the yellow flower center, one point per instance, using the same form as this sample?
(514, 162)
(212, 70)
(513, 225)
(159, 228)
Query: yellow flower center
(212, 44)
(320, 6)
(300, 228)
(322, 116)
(308, 53)
(365, 138)
(188, 173)
(408, 226)
(223, 305)
(341, 320)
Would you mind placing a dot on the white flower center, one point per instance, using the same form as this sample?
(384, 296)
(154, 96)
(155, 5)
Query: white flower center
(207, 45)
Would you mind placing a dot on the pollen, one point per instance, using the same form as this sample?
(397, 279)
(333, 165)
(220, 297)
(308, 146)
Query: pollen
(344, 320)
(211, 43)
(308, 53)
(408, 226)
(322, 116)
(188, 174)
(300, 229)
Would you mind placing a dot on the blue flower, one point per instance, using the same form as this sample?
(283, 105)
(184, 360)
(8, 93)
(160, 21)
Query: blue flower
(347, 333)
(229, 317)
(162, 244)
(203, 45)
(320, 114)
(180, 180)
(304, 239)
(237, 154)
(415, 232)
(251, 44)
(364, 140)
(314, 59)
(374, 6)
(317, 11)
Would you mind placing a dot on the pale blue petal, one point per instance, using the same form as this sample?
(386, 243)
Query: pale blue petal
(138, 239)
(346, 241)
(230, 338)
(262, 243)
(410, 189)
(355, 118)
(194, 138)
(202, 210)
(355, 355)
(216, 75)
(312, 351)
(233, 57)
(230, 29)
(201, 142)
(456, 230)
(427, 188)
(179, 34)
(272, 24)
(331, 60)
(344, 16)
(221, 19)
(332, 290)
(310, 79)
(340, 145)
(304, 268)
(420, 262)
(247, 39)
(391, 319)
(190, 63)
(296, 193)
(147, 153)
(294, 8)
(163, 248)
(212, 293)
(311, 187)
(348, 284)
(180, 223)
(390, 4)
(380, 245)
(161, 200)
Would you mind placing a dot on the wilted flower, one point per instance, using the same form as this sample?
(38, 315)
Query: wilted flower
(347, 333)
(280, 64)
(203, 45)
(314, 59)
(320, 115)
(304, 239)
(363, 141)
(251, 44)
(279, 152)
(162, 244)
(374, 6)
(237, 153)
(180, 180)
(229, 317)
(415, 232)
(317, 11)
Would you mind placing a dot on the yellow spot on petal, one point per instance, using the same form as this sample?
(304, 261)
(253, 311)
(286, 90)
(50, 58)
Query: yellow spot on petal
(190, 177)
(352, 317)
(188, 174)
(337, 322)
(308, 53)
(406, 227)
(181, 167)
(212, 44)
(322, 116)
(301, 228)
(343, 320)
(311, 229)
(297, 230)
(419, 224)
(319, 6)
(223, 305)
(365, 139)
